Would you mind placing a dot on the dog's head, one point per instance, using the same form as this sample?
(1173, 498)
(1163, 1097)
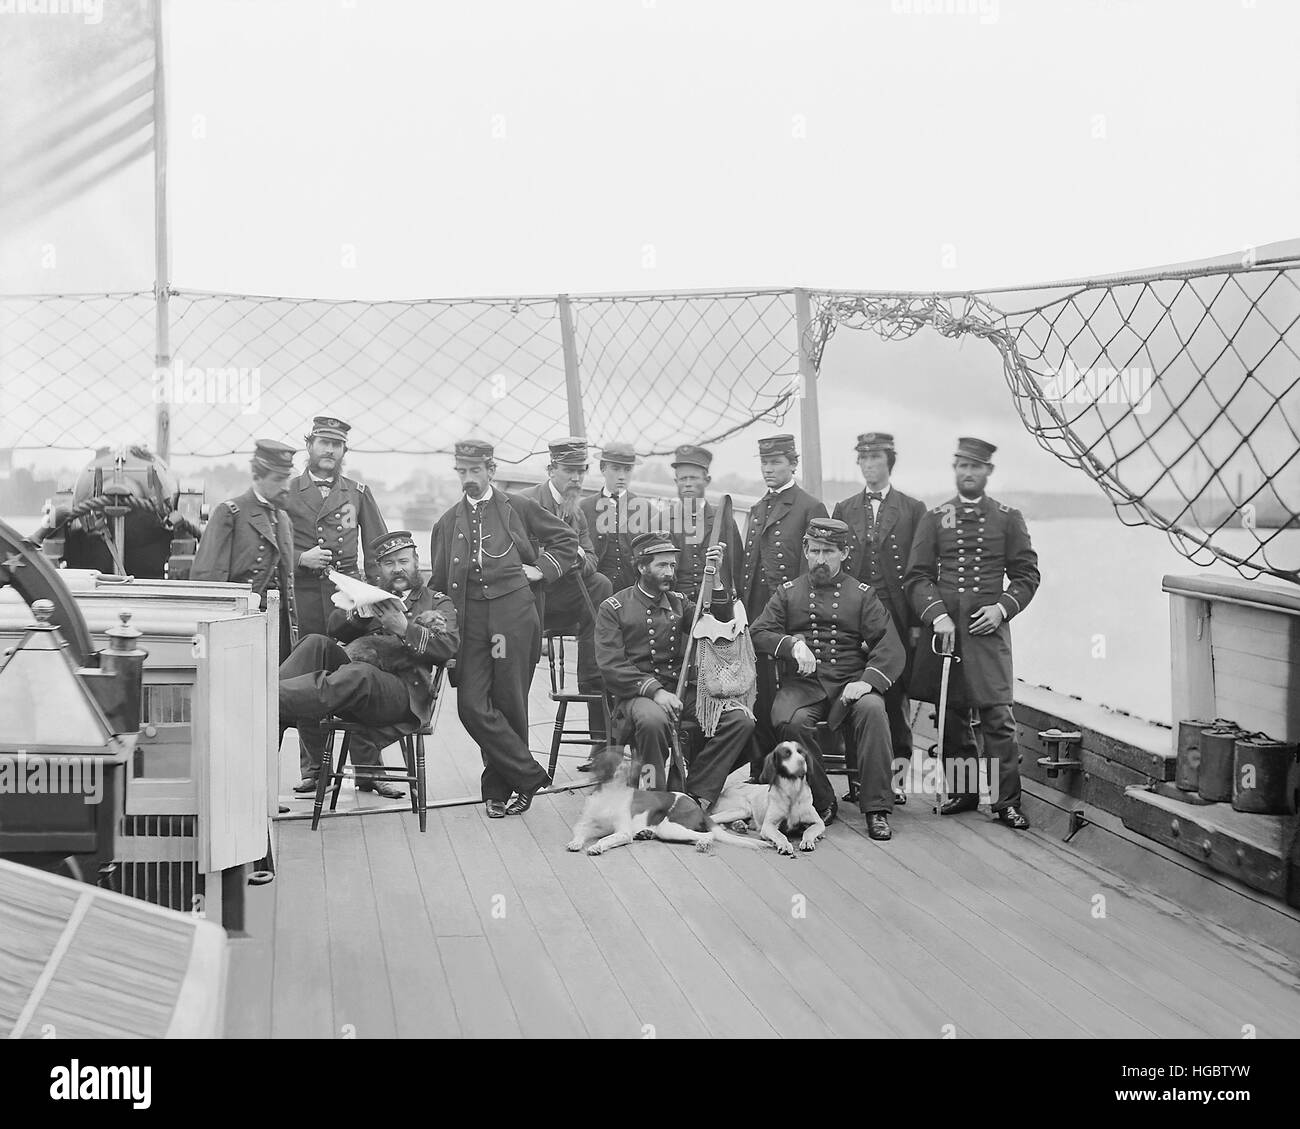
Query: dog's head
(610, 766)
(788, 761)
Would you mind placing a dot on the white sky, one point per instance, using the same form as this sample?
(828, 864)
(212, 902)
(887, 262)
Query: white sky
(512, 147)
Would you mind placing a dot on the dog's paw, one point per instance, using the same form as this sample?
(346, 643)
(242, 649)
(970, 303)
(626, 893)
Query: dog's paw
(576, 845)
(785, 849)
(808, 845)
(643, 834)
(595, 849)
(740, 827)
(704, 845)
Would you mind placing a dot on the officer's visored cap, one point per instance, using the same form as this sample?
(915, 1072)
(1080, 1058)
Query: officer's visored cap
(474, 450)
(777, 445)
(620, 454)
(390, 543)
(648, 544)
(874, 441)
(272, 455)
(828, 529)
(571, 451)
(689, 455)
(977, 449)
(329, 427)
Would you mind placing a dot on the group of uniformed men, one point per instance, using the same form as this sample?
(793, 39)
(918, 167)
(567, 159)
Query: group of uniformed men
(849, 614)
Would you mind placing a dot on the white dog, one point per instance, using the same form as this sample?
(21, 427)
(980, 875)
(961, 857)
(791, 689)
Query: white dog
(779, 808)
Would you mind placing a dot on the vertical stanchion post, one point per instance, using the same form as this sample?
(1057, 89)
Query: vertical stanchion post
(810, 447)
(161, 274)
(572, 380)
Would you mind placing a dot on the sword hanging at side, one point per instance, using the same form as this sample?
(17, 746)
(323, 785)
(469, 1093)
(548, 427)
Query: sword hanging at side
(949, 656)
(721, 515)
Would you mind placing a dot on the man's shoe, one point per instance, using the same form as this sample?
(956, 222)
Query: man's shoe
(521, 803)
(381, 788)
(851, 796)
(496, 809)
(828, 816)
(308, 785)
(585, 766)
(900, 797)
(878, 825)
(1011, 816)
(959, 804)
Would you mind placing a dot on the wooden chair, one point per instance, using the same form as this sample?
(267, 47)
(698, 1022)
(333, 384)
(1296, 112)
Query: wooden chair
(563, 698)
(410, 735)
(837, 755)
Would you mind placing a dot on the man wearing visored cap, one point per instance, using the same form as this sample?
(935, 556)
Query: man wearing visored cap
(840, 655)
(692, 522)
(486, 552)
(608, 515)
(332, 516)
(249, 540)
(564, 608)
(641, 635)
(972, 569)
(773, 554)
(882, 521)
(375, 668)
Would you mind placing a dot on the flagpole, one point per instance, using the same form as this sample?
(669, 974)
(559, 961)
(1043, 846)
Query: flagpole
(162, 284)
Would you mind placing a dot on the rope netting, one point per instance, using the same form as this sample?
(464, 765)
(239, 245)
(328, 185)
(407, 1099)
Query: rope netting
(1177, 393)
(411, 377)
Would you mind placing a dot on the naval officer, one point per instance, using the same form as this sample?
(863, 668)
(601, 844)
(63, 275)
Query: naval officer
(882, 521)
(608, 518)
(249, 539)
(332, 515)
(641, 635)
(972, 569)
(773, 555)
(485, 553)
(692, 522)
(841, 657)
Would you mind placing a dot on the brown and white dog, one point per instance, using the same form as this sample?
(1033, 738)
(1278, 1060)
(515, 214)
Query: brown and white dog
(620, 813)
(780, 807)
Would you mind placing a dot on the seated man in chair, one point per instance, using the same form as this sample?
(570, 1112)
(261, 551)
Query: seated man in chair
(375, 669)
(842, 653)
(641, 635)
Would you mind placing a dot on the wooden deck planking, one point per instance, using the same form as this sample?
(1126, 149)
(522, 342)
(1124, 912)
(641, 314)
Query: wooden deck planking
(764, 910)
(649, 986)
(592, 985)
(1210, 963)
(422, 1002)
(301, 1003)
(540, 997)
(359, 973)
(997, 932)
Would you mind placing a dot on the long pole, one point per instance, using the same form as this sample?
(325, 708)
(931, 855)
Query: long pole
(161, 273)
(572, 381)
(810, 453)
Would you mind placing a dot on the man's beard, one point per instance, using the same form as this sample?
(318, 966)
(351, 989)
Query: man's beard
(399, 583)
(821, 574)
(474, 489)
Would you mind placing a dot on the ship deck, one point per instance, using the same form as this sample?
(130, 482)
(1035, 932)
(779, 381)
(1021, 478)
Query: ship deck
(956, 927)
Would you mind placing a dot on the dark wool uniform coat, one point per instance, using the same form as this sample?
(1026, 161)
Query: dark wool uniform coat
(962, 553)
(892, 543)
(848, 629)
(541, 494)
(424, 646)
(345, 517)
(239, 546)
(611, 540)
(774, 544)
(542, 540)
(693, 540)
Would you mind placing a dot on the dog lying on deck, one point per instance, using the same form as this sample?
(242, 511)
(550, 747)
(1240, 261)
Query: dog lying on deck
(778, 807)
(620, 813)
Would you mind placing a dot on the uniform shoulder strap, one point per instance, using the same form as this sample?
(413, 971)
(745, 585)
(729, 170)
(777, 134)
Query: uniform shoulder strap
(234, 509)
(613, 602)
(788, 584)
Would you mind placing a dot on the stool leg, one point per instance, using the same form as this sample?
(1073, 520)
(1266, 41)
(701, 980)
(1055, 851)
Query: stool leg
(322, 778)
(419, 776)
(562, 707)
(337, 775)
